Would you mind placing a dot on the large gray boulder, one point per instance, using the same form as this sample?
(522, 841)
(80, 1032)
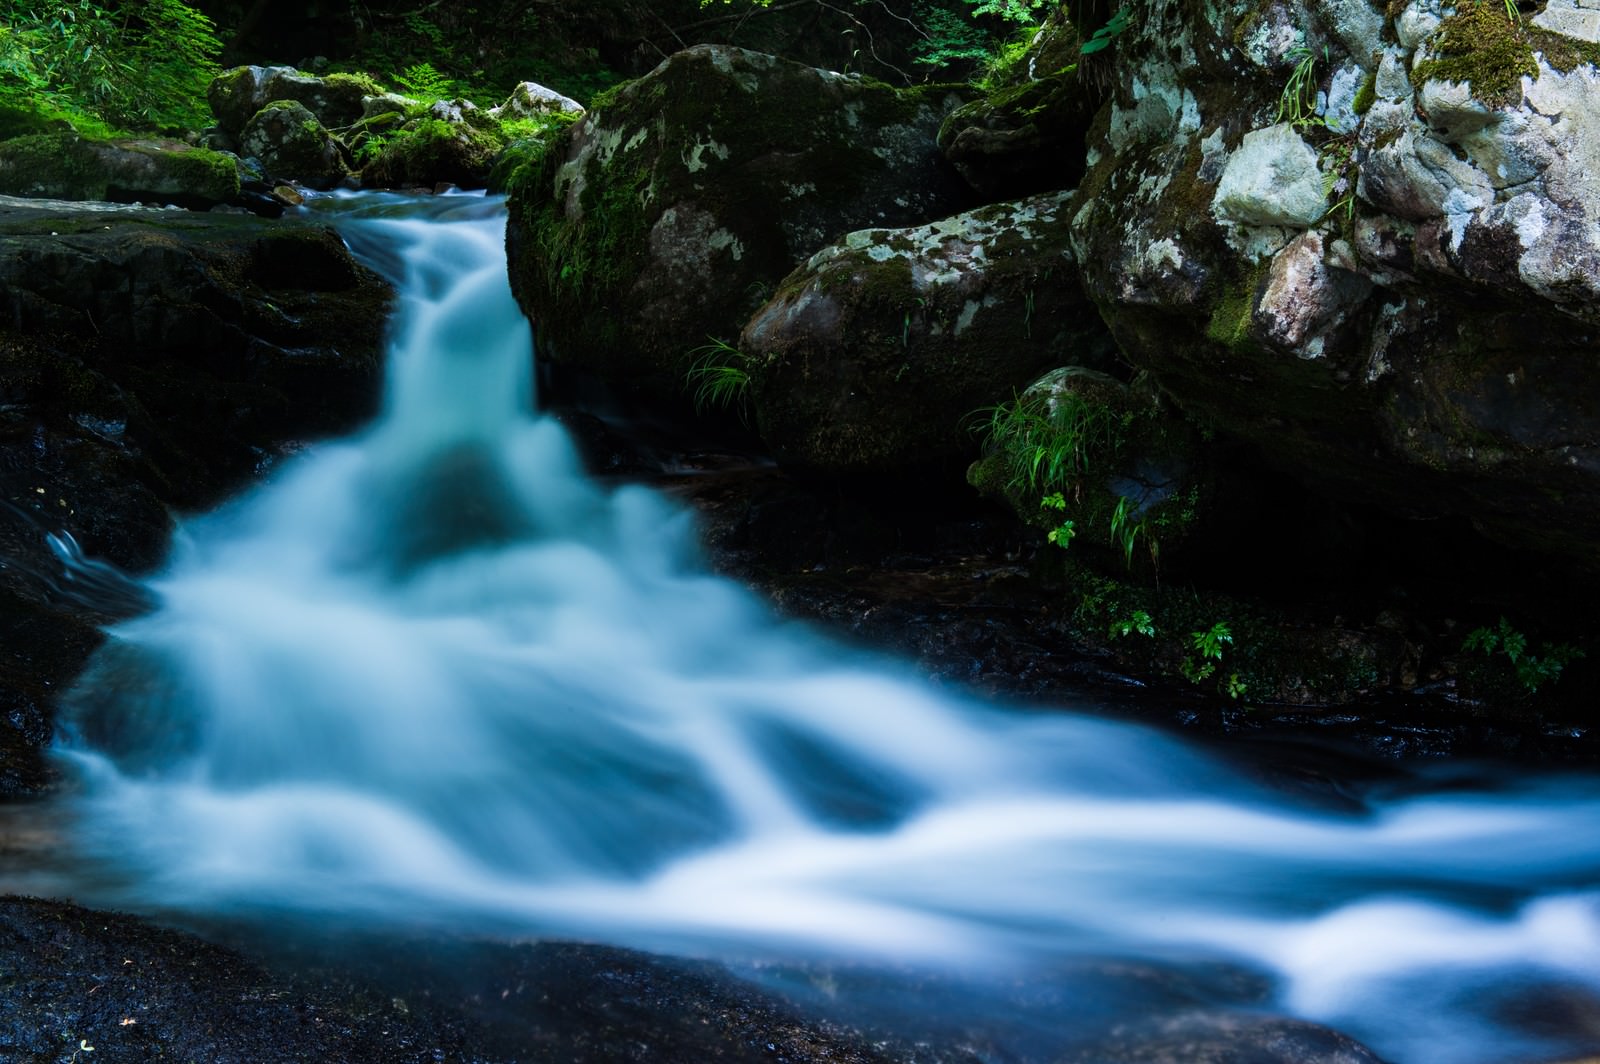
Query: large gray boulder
(671, 209)
(873, 355)
(236, 95)
(1389, 281)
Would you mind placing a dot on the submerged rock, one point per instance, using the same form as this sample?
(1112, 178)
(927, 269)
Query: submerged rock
(672, 207)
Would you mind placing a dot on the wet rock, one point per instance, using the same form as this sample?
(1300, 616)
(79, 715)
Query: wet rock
(1226, 1038)
(530, 99)
(134, 992)
(150, 360)
(872, 357)
(674, 205)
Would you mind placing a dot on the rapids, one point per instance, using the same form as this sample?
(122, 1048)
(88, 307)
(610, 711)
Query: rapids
(434, 674)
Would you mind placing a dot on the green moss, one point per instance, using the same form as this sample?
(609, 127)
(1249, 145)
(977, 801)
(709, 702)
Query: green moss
(1564, 54)
(1231, 317)
(1366, 95)
(365, 82)
(431, 150)
(1481, 47)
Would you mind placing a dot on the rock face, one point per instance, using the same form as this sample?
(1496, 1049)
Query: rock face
(669, 210)
(1388, 279)
(149, 359)
(66, 165)
(872, 356)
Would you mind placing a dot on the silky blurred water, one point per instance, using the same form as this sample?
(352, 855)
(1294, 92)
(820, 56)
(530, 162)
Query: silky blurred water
(433, 674)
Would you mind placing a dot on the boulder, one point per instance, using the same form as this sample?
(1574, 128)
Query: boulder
(291, 143)
(872, 356)
(426, 152)
(671, 209)
(149, 360)
(65, 165)
(530, 100)
(1387, 281)
(237, 95)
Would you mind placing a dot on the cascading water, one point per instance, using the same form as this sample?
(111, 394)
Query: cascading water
(433, 673)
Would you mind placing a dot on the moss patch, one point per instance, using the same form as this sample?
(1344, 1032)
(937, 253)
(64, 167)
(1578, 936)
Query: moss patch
(1480, 46)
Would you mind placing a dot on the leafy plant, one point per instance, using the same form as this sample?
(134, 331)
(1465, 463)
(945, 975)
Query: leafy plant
(1105, 35)
(1062, 534)
(720, 375)
(1532, 671)
(1297, 104)
(141, 64)
(1138, 621)
(1208, 644)
(1048, 442)
(1126, 531)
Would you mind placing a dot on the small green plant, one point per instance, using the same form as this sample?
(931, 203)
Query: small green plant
(1126, 531)
(422, 81)
(720, 375)
(1048, 442)
(1105, 35)
(1062, 534)
(1297, 104)
(1512, 13)
(1208, 646)
(1138, 621)
(1532, 671)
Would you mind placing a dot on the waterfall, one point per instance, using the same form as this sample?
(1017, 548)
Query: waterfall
(433, 674)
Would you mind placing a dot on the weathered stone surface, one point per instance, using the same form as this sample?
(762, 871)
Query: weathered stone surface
(236, 95)
(530, 99)
(291, 143)
(69, 166)
(1399, 304)
(1221, 1038)
(665, 212)
(149, 360)
(872, 356)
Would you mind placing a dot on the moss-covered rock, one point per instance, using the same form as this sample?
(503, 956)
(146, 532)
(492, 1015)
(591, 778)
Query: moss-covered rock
(290, 142)
(237, 95)
(68, 166)
(429, 151)
(1412, 327)
(872, 356)
(670, 209)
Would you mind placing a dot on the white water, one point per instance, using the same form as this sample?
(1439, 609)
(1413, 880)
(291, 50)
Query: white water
(432, 673)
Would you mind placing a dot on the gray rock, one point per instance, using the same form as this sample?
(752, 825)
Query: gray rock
(291, 143)
(530, 99)
(871, 355)
(669, 213)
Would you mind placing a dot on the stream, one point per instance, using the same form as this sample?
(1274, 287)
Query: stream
(433, 675)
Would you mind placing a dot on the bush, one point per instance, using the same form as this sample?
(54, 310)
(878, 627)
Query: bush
(141, 64)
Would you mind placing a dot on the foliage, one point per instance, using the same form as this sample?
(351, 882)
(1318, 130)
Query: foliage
(1532, 671)
(1062, 534)
(1137, 621)
(1046, 443)
(720, 375)
(141, 64)
(1105, 35)
(1297, 104)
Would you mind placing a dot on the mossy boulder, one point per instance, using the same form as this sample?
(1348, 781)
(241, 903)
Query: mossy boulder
(1403, 314)
(237, 95)
(66, 165)
(290, 143)
(871, 357)
(672, 207)
(430, 151)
